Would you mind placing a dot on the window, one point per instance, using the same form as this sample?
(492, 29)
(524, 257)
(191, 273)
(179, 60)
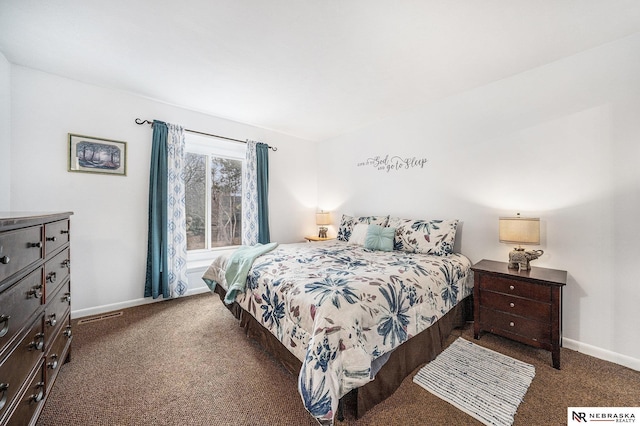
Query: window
(213, 184)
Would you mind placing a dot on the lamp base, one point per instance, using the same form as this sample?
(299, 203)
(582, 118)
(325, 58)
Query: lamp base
(322, 232)
(519, 259)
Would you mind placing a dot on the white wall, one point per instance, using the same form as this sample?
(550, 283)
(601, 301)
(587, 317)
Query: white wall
(559, 142)
(109, 225)
(5, 132)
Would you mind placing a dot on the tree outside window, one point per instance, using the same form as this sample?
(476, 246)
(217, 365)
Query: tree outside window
(213, 201)
(226, 202)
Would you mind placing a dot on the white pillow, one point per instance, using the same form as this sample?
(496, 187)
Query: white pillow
(359, 234)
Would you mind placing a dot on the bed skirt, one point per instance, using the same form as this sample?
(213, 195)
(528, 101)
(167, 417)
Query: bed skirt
(403, 361)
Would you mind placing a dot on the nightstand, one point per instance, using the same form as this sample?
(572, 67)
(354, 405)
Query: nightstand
(522, 305)
(316, 238)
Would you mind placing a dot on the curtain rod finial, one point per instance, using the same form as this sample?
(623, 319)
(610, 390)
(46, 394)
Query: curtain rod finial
(141, 122)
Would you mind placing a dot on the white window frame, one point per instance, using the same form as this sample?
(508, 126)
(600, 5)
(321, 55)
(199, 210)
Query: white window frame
(212, 146)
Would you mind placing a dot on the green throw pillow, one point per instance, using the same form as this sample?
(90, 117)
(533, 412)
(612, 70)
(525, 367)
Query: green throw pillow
(379, 238)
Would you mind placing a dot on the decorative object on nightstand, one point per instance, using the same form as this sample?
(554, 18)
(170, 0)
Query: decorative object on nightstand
(520, 230)
(523, 305)
(322, 219)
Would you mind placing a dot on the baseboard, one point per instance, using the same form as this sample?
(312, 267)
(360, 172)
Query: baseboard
(97, 310)
(600, 353)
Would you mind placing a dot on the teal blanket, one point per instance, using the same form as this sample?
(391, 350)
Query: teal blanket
(238, 267)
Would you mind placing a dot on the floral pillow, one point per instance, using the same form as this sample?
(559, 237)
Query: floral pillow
(424, 236)
(346, 227)
(347, 223)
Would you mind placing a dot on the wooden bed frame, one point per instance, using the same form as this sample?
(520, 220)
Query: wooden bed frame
(418, 350)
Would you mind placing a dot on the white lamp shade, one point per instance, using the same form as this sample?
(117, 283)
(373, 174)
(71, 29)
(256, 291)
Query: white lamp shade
(520, 230)
(323, 218)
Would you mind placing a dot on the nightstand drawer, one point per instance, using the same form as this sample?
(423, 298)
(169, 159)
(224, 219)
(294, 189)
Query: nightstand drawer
(516, 288)
(496, 321)
(516, 306)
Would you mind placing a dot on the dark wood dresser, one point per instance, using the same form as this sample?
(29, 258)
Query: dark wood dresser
(522, 305)
(35, 306)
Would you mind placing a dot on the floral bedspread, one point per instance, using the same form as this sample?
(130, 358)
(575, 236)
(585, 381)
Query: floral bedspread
(337, 307)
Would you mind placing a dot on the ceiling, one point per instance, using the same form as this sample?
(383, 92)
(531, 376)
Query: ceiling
(309, 68)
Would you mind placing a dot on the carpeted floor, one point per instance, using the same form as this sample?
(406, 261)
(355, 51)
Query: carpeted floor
(187, 362)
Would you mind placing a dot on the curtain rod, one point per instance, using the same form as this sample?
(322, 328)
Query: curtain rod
(141, 122)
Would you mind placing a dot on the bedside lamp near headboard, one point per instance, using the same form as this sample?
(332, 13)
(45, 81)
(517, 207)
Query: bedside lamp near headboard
(520, 230)
(322, 219)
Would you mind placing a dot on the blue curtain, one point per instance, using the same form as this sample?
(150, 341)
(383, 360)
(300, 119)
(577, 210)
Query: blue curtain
(262, 166)
(157, 279)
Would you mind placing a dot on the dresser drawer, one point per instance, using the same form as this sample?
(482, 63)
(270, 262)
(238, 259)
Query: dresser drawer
(19, 249)
(57, 352)
(56, 311)
(533, 330)
(56, 272)
(56, 234)
(31, 400)
(516, 288)
(17, 304)
(18, 364)
(528, 308)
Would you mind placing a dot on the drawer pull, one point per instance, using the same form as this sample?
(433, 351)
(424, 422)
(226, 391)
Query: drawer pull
(5, 260)
(54, 363)
(511, 287)
(512, 304)
(4, 320)
(51, 238)
(35, 292)
(66, 263)
(511, 324)
(64, 231)
(37, 397)
(66, 297)
(38, 342)
(3, 391)
(67, 332)
(36, 245)
(52, 320)
(51, 277)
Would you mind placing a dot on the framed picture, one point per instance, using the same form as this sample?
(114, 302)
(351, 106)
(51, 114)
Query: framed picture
(97, 155)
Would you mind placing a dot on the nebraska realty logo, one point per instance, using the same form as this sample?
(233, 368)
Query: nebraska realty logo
(581, 415)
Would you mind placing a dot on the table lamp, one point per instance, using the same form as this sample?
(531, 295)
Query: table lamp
(322, 219)
(520, 230)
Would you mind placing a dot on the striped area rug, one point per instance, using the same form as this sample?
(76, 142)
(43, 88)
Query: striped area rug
(483, 383)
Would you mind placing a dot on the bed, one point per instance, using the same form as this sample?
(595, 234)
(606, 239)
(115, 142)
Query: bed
(346, 317)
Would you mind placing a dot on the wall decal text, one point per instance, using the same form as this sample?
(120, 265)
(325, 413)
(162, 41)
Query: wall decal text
(393, 162)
